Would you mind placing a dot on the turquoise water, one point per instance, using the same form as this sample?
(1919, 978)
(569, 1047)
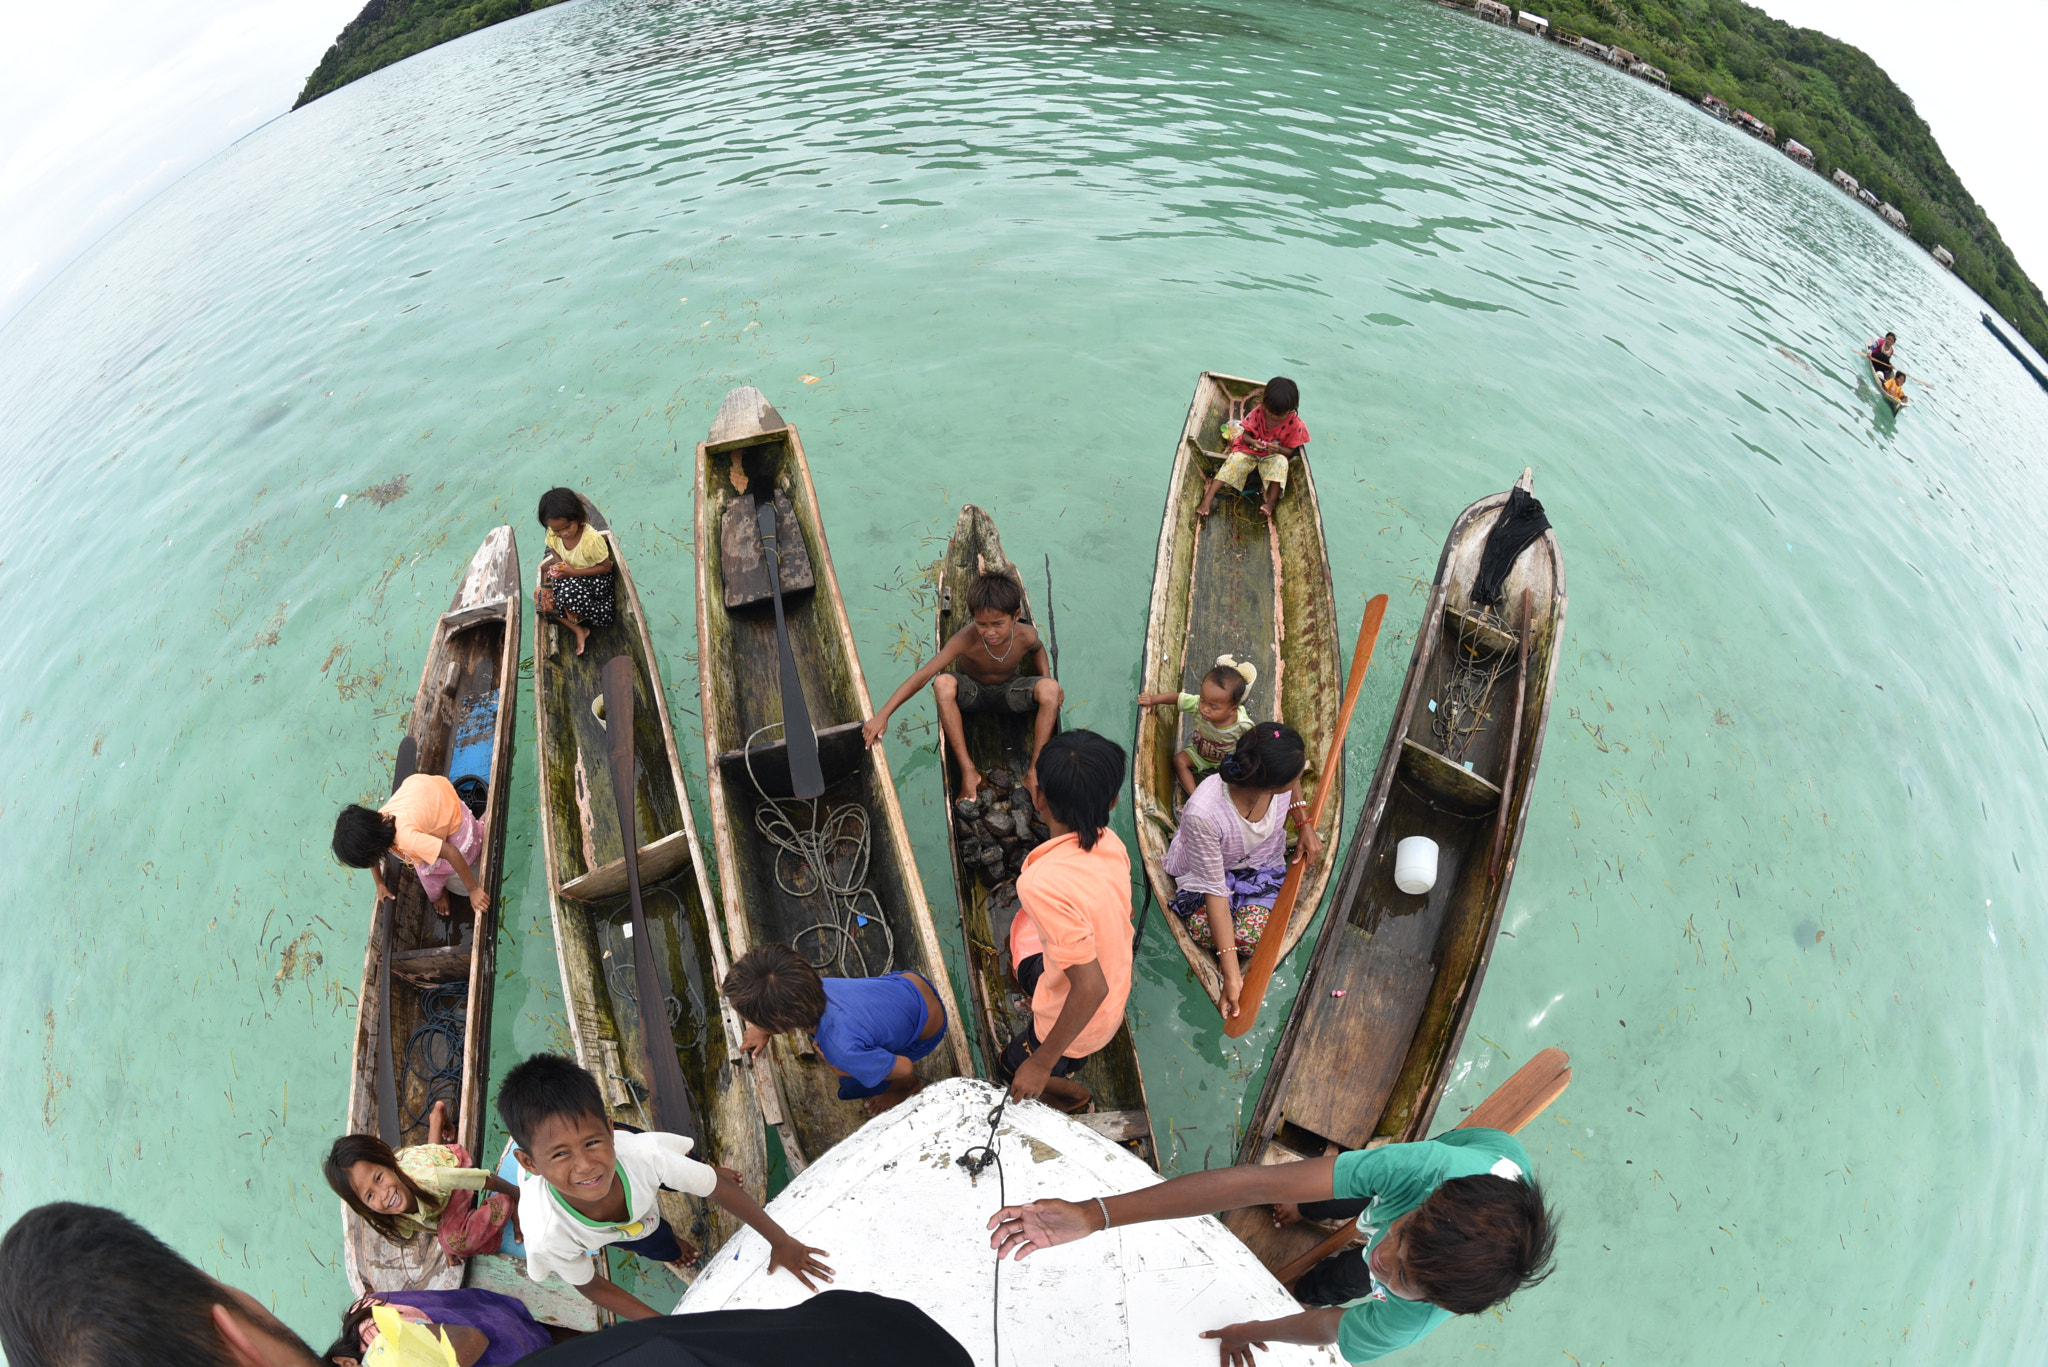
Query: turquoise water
(979, 253)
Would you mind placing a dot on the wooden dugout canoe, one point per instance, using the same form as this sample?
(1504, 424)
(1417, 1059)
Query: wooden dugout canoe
(1368, 1067)
(442, 969)
(770, 895)
(585, 860)
(1236, 584)
(1002, 740)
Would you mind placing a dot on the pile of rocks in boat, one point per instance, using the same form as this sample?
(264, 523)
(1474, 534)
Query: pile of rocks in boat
(998, 826)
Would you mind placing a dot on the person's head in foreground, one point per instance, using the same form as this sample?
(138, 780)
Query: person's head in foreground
(1282, 396)
(1079, 776)
(82, 1286)
(560, 1131)
(1475, 1242)
(776, 988)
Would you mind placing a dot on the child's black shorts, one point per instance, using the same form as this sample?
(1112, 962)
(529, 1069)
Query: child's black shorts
(1027, 1042)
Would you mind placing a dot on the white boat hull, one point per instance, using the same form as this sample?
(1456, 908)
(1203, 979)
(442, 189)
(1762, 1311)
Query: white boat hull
(898, 1216)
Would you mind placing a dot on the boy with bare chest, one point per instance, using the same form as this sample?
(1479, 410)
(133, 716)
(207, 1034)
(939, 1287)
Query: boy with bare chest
(994, 664)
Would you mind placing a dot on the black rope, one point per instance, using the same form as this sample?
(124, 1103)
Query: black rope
(975, 1167)
(444, 1009)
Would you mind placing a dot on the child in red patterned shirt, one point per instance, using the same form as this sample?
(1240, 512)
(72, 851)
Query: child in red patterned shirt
(1270, 435)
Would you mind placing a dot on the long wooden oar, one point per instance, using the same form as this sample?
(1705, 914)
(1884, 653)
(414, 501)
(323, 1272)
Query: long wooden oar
(1512, 1105)
(800, 741)
(669, 1094)
(1259, 972)
(387, 1068)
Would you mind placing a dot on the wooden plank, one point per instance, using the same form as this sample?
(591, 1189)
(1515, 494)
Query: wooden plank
(437, 964)
(658, 860)
(1122, 1126)
(1345, 1069)
(1453, 784)
(457, 620)
(840, 752)
(744, 564)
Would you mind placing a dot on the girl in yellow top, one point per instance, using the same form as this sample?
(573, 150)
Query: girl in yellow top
(429, 826)
(576, 580)
(423, 1187)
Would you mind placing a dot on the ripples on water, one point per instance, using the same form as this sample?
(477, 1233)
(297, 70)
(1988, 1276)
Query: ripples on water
(1777, 895)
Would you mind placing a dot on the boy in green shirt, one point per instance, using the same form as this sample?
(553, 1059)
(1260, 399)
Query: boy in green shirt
(1454, 1225)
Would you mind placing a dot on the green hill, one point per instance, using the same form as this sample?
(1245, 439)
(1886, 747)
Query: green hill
(1834, 99)
(390, 31)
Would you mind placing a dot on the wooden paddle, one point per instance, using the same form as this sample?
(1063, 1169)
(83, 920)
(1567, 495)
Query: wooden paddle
(1507, 782)
(1901, 374)
(387, 1069)
(806, 777)
(1512, 1105)
(668, 1093)
(1259, 972)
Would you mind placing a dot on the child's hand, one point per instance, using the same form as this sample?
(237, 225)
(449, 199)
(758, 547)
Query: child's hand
(754, 1041)
(872, 730)
(1234, 1344)
(730, 1175)
(1029, 1084)
(1232, 986)
(799, 1260)
(1021, 1231)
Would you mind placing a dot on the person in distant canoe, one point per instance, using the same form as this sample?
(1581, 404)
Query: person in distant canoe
(870, 1031)
(998, 664)
(577, 586)
(1271, 435)
(1880, 353)
(430, 827)
(1453, 1226)
(1895, 387)
(1228, 858)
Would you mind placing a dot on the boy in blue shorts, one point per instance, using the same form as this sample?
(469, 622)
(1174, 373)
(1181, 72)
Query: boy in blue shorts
(1453, 1226)
(587, 1188)
(871, 1031)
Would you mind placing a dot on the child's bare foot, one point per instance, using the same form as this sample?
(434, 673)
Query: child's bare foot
(582, 636)
(441, 904)
(970, 783)
(1285, 1213)
(439, 1125)
(1206, 506)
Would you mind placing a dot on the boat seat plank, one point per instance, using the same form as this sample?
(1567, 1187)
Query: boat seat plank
(658, 859)
(744, 563)
(1453, 785)
(840, 752)
(1344, 1070)
(1122, 1126)
(438, 964)
(462, 618)
(1463, 627)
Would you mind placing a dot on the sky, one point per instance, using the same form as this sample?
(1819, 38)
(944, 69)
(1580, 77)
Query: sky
(108, 102)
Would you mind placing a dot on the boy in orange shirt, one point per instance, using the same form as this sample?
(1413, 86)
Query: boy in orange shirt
(426, 824)
(1070, 945)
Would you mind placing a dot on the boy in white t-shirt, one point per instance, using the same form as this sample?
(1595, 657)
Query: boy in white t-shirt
(587, 1187)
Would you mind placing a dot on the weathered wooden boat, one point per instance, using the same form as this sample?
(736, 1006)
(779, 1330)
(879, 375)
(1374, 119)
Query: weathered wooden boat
(1390, 989)
(1259, 590)
(986, 884)
(902, 1218)
(442, 968)
(855, 906)
(585, 857)
(1877, 378)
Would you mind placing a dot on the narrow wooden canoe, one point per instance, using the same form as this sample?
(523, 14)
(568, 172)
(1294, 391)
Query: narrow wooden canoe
(988, 902)
(770, 894)
(1236, 584)
(913, 1225)
(1877, 378)
(594, 946)
(442, 969)
(1383, 1007)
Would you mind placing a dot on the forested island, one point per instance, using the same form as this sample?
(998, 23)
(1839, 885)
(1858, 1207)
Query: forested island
(1824, 93)
(390, 31)
(1834, 99)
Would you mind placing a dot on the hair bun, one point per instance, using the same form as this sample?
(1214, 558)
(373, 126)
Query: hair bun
(1246, 668)
(1230, 770)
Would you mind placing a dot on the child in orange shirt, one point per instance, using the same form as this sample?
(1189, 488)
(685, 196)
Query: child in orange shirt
(429, 827)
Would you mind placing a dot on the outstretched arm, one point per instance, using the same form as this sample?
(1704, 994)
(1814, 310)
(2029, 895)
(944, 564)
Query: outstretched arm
(609, 1295)
(1020, 1231)
(784, 1249)
(1235, 1341)
(879, 723)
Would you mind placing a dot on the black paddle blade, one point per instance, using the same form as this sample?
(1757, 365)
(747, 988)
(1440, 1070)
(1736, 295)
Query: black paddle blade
(403, 768)
(407, 763)
(806, 776)
(668, 1094)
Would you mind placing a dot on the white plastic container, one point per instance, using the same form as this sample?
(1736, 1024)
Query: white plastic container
(1415, 864)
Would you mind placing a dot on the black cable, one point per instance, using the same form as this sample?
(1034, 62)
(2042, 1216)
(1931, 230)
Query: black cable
(443, 1012)
(975, 1167)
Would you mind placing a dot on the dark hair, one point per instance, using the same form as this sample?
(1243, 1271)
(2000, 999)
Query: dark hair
(1079, 773)
(352, 1149)
(542, 1088)
(1229, 680)
(1283, 396)
(1891, 336)
(560, 503)
(1270, 756)
(349, 1343)
(83, 1286)
(776, 988)
(363, 835)
(997, 593)
(1478, 1240)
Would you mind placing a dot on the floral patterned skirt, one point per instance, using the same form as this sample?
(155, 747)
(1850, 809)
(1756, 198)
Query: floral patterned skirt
(1252, 894)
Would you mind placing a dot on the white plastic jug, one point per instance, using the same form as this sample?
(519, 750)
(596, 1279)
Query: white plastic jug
(1415, 864)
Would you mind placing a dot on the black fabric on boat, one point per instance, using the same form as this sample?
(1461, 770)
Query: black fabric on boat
(1521, 522)
(831, 1329)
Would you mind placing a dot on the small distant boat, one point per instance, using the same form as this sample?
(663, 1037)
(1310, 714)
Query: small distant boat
(2012, 346)
(1877, 378)
(1001, 744)
(594, 946)
(904, 1219)
(442, 970)
(859, 908)
(1236, 584)
(1389, 992)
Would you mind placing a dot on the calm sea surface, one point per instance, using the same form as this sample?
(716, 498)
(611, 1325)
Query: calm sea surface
(979, 253)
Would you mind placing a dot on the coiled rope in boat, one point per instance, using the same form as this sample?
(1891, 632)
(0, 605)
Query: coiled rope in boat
(824, 852)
